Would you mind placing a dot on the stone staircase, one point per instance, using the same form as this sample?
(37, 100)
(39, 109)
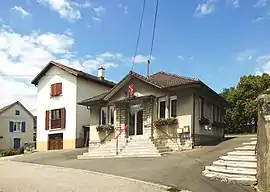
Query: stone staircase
(137, 146)
(238, 166)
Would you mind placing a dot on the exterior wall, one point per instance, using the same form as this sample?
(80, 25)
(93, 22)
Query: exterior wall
(140, 87)
(205, 136)
(85, 89)
(9, 115)
(66, 100)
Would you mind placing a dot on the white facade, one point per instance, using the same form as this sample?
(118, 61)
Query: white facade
(74, 89)
(11, 127)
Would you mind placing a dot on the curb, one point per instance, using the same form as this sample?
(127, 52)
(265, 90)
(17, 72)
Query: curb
(10, 157)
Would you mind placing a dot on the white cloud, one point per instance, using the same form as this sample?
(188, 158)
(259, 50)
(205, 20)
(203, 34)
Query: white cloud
(246, 55)
(20, 10)
(142, 58)
(20, 64)
(123, 7)
(258, 19)
(180, 57)
(206, 8)
(66, 9)
(96, 19)
(99, 10)
(235, 3)
(86, 4)
(263, 63)
(261, 3)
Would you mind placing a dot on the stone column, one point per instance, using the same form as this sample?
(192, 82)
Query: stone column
(263, 143)
(147, 117)
(121, 116)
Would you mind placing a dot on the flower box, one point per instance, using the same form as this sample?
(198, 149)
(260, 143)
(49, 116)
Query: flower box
(164, 122)
(204, 121)
(105, 128)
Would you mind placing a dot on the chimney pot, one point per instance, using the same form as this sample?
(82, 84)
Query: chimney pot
(101, 72)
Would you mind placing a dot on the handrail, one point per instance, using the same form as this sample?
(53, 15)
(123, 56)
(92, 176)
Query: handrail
(103, 140)
(118, 135)
(171, 138)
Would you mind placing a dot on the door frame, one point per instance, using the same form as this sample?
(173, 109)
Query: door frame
(16, 138)
(135, 123)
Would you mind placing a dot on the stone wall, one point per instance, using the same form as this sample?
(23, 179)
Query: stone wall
(121, 116)
(263, 143)
(205, 140)
(147, 116)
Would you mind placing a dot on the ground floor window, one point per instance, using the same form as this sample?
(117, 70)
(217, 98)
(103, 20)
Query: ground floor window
(173, 106)
(103, 114)
(162, 108)
(111, 115)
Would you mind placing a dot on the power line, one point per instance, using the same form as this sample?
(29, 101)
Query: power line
(139, 34)
(153, 38)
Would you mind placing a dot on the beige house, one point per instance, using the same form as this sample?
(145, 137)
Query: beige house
(177, 111)
(16, 126)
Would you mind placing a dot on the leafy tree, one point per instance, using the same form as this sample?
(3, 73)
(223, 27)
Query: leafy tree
(242, 116)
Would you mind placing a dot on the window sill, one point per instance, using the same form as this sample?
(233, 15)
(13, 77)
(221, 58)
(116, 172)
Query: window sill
(16, 132)
(55, 96)
(56, 129)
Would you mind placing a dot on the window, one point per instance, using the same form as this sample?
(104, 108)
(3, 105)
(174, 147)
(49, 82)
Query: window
(56, 118)
(201, 104)
(162, 108)
(214, 112)
(103, 112)
(173, 106)
(17, 112)
(111, 115)
(56, 89)
(218, 114)
(17, 126)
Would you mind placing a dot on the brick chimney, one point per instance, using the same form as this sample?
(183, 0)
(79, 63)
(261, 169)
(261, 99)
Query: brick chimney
(101, 72)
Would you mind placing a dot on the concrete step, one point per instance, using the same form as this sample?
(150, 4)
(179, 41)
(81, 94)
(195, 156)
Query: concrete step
(235, 164)
(239, 158)
(250, 143)
(85, 157)
(243, 179)
(241, 153)
(232, 170)
(246, 148)
(254, 139)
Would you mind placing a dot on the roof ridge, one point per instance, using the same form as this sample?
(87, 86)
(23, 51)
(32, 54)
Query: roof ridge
(176, 75)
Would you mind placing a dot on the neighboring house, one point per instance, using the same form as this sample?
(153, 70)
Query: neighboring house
(60, 121)
(16, 126)
(162, 107)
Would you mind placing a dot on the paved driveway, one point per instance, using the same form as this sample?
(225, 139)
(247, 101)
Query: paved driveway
(181, 170)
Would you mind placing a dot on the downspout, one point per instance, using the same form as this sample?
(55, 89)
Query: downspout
(193, 121)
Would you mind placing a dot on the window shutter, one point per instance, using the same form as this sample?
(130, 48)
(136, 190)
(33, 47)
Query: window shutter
(23, 126)
(58, 88)
(47, 120)
(11, 126)
(63, 118)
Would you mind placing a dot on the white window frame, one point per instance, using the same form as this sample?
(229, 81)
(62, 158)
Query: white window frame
(110, 114)
(172, 98)
(105, 112)
(20, 127)
(159, 101)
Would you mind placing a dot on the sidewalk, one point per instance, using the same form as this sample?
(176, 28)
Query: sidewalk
(25, 177)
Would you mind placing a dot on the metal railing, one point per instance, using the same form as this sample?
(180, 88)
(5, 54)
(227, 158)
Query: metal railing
(118, 135)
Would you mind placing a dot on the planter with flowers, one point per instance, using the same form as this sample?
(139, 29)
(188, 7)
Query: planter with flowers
(204, 121)
(105, 128)
(166, 122)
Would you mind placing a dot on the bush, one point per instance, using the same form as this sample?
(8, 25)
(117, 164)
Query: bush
(10, 152)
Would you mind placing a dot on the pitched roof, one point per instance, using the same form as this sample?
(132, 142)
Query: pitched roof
(12, 104)
(72, 71)
(160, 80)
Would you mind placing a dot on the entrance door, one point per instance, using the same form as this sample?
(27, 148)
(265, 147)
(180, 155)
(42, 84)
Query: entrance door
(55, 141)
(16, 143)
(135, 123)
(139, 123)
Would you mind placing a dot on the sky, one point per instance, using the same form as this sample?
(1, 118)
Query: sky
(217, 41)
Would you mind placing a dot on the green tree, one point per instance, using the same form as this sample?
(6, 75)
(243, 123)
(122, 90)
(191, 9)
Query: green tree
(242, 116)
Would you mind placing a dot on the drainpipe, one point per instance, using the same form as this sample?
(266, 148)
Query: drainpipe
(193, 121)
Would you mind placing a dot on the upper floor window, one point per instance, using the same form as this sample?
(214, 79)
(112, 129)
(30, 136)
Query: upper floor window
(173, 106)
(55, 119)
(162, 108)
(17, 112)
(201, 106)
(103, 115)
(111, 115)
(56, 89)
(16, 126)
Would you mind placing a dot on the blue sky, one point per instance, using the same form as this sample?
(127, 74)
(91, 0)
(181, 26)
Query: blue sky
(214, 40)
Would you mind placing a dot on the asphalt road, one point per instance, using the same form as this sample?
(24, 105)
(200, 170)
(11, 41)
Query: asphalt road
(180, 170)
